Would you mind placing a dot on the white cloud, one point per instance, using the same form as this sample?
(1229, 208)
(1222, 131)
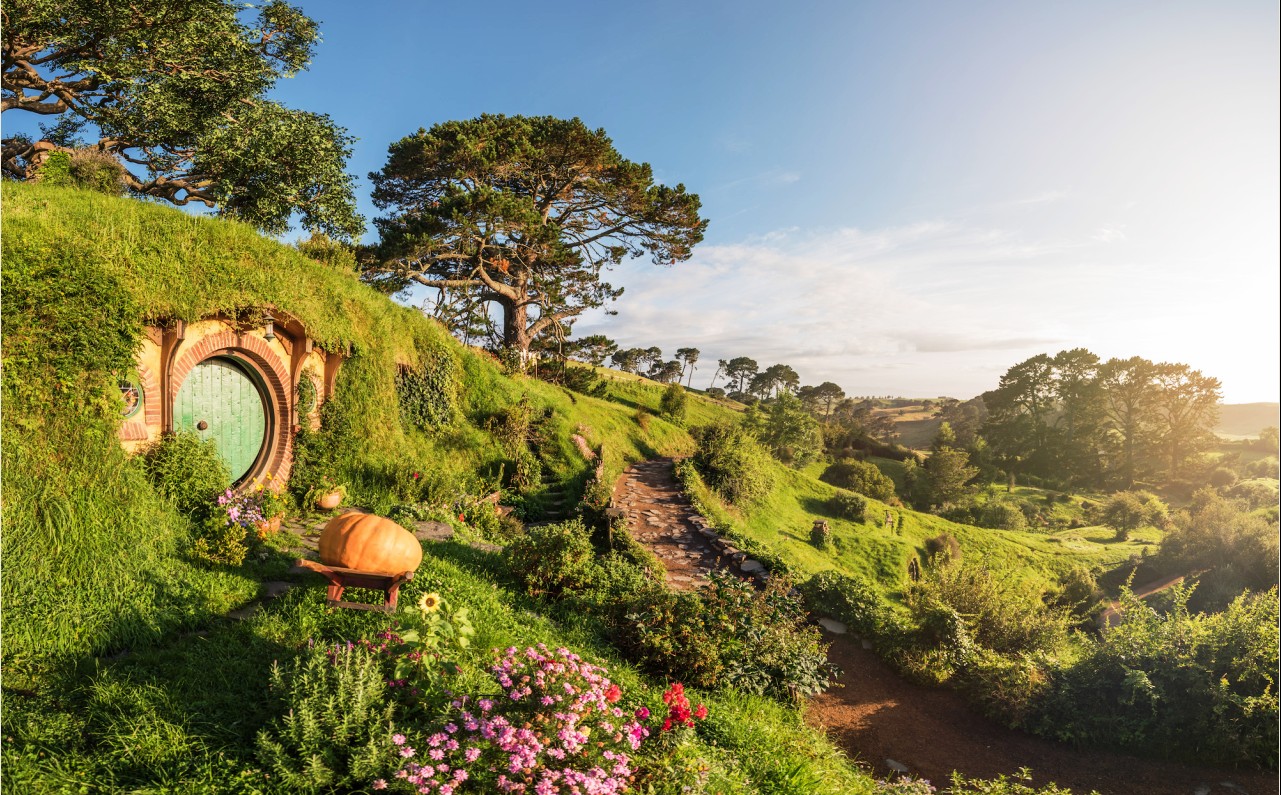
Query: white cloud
(928, 308)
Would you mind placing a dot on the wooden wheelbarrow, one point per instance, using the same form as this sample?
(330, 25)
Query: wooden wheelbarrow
(340, 579)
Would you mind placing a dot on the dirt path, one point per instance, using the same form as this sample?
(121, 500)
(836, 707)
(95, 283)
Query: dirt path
(890, 724)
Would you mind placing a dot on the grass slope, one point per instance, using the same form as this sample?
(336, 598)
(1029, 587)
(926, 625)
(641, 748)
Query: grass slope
(121, 673)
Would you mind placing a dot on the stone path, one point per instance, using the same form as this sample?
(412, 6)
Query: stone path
(660, 517)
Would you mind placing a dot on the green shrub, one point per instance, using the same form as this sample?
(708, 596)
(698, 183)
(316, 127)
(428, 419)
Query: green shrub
(728, 634)
(848, 505)
(733, 462)
(1002, 515)
(336, 731)
(674, 403)
(1194, 685)
(585, 381)
(220, 541)
(1002, 785)
(999, 617)
(1006, 687)
(1264, 468)
(943, 547)
(1256, 493)
(861, 477)
(851, 600)
(87, 169)
(552, 558)
(428, 394)
(187, 471)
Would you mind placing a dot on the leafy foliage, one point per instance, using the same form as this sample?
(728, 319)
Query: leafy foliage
(187, 471)
(851, 600)
(527, 211)
(848, 505)
(1181, 684)
(1127, 511)
(337, 729)
(859, 476)
(554, 557)
(178, 90)
(428, 394)
(732, 461)
(674, 403)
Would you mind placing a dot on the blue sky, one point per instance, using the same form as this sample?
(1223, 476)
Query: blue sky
(905, 197)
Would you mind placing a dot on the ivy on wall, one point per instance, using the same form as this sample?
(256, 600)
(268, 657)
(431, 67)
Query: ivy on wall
(428, 394)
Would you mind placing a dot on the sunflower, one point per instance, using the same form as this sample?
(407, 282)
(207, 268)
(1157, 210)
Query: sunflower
(429, 602)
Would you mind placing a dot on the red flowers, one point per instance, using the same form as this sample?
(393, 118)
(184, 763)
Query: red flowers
(613, 693)
(462, 518)
(678, 711)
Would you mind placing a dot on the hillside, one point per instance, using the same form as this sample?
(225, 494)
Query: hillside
(1245, 420)
(134, 663)
(116, 638)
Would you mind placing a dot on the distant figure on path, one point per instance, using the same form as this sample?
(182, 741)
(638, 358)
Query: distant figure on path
(889, 519)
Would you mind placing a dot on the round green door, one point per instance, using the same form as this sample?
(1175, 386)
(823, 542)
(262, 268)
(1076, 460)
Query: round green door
(221, 401)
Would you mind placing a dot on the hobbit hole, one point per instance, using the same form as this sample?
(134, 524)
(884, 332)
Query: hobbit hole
(248, 389)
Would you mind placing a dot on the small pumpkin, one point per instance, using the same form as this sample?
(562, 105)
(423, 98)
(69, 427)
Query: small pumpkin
(367, 542)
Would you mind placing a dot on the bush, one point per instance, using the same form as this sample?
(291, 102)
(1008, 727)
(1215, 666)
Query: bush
(87, 169)
(1002, 515)
(716, 393)
(336, 732)
(861, 477)
(187, 471)
(220, 541)
(1264, 468)
(943, 547)
(1006, 687)
(1193, 685)
(674, 403)
(428, 394)
(1127, 511)
(997, 616)
(733, 462)
(552, 558)
(729, 634)
(848, 505)
(1222, 478)
(1256, 493)
(851, 600)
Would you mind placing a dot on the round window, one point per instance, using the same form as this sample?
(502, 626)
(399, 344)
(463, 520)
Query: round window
(131, 394)
(306, 400)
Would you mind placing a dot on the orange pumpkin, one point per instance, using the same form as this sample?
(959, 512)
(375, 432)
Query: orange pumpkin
(366, 542)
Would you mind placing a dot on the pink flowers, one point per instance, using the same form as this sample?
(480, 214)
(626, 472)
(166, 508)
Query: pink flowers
(556, 732)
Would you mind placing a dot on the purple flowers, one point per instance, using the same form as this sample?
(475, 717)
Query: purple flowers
(557, 732)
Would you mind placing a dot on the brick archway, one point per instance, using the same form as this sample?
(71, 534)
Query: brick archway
(256, 354)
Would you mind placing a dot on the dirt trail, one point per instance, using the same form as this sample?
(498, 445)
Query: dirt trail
(890, 724)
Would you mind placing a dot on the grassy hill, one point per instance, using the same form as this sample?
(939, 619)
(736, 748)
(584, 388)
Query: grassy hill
(1245, 420)
(122, 672)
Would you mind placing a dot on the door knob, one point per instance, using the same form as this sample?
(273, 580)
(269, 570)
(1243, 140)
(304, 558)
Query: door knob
(202, 425)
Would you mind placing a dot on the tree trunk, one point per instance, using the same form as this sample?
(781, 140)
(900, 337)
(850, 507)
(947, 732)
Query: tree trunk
(516, 329)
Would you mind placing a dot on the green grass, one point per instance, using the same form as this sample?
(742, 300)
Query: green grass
(121, 673)
(182, 715)
(783, 519)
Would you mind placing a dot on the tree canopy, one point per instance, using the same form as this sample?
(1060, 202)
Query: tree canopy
(175, 89)
(524, 212)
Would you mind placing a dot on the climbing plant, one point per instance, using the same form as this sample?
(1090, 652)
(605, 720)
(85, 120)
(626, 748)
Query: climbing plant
(428, 394)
